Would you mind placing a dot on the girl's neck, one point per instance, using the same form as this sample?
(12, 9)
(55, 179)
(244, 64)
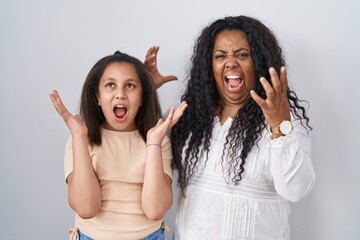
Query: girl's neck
(119, 129)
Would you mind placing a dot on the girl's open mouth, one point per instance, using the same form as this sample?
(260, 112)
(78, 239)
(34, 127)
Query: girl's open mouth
(120, 112)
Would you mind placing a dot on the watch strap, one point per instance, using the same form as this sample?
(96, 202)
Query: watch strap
(276, 130)
(284, 128)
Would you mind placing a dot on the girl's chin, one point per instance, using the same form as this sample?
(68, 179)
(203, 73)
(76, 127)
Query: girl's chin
(120, 125)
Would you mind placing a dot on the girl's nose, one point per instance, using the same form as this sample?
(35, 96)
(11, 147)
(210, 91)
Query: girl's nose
(120, 95)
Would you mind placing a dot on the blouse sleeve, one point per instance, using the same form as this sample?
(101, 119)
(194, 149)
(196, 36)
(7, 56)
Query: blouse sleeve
(291, 164)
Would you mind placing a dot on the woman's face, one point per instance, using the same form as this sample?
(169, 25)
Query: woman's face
(120, 96)
(233, 67)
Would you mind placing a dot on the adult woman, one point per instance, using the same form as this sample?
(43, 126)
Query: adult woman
(242, 148)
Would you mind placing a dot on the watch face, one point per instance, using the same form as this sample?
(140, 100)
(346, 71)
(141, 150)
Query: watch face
(286, 127)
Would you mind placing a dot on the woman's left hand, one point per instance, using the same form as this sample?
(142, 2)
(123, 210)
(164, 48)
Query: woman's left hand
(151, 64)
(276, 106)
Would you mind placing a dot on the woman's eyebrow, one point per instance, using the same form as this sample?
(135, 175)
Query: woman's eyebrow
(235, 51)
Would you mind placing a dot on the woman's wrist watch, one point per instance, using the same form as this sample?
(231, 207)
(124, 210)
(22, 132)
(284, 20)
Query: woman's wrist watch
(284, 128)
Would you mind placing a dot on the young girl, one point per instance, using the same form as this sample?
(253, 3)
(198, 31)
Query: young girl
(118, 158)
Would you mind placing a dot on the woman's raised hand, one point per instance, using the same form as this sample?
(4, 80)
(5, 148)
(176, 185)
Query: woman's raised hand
(151, 64)
(276, 106)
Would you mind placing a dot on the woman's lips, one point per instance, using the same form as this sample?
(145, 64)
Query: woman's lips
(233, 81)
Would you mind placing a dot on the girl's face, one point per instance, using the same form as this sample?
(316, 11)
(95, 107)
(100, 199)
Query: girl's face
(120, 96)
(233, 67)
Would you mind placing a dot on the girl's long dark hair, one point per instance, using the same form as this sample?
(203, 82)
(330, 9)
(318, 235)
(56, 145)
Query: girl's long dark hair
(195, 126)
(91, 113)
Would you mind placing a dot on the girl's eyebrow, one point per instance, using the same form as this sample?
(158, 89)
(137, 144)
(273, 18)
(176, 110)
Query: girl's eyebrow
(109, 79)
(132, 80)
(126, 80)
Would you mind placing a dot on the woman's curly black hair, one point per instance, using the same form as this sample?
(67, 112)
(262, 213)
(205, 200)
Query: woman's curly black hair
(195, 127)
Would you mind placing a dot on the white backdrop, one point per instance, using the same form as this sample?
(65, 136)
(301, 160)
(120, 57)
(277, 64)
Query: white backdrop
(53, 44)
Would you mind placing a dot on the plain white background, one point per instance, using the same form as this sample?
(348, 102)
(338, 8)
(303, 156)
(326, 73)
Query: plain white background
(53, 44)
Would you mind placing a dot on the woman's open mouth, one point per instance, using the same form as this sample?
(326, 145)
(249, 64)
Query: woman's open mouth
(233, 81)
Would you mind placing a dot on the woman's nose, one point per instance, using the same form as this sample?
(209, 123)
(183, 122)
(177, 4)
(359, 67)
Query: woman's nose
(232, 62)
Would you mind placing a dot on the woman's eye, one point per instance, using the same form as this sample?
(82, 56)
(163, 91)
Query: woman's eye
(219, 56)
(242, 55)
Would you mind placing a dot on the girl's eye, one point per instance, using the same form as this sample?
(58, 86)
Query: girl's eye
(130, 85)
(110, 85)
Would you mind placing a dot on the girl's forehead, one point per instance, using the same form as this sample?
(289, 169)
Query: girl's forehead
(120, 71)
(120, 66)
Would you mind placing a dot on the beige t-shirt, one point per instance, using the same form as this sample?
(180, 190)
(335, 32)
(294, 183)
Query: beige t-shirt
(119, 164)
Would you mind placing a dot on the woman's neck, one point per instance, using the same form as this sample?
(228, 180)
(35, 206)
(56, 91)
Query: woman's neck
(224, 112)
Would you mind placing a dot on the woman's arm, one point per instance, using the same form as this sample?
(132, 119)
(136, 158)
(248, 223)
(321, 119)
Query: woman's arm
(291, 164)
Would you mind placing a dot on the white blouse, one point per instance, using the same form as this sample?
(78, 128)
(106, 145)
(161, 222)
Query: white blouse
(257, 208)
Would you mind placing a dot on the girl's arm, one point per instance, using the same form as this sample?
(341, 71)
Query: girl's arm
(157, 188)
(83, 186)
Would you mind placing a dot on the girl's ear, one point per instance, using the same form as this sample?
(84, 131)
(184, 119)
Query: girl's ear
(141, 97)
(98, 98)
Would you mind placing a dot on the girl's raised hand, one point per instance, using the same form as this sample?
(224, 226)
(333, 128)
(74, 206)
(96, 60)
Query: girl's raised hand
(158, 132)
(73, 122)
(276, 106)
(151, 64)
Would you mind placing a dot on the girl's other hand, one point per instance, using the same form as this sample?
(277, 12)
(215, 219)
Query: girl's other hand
(73, 122)
(158, 132)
